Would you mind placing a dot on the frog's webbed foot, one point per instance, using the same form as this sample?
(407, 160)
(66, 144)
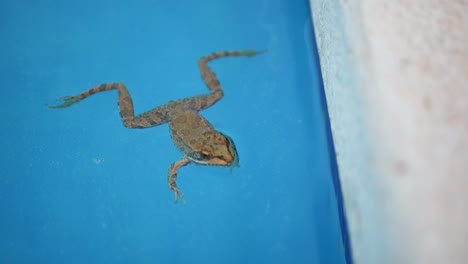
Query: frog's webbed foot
(171, 180)
(66, 101)
(252, 53)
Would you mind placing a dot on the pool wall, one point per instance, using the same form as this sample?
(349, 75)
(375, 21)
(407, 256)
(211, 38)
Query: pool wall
(395, 76)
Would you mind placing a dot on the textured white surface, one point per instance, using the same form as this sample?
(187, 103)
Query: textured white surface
(396, 80)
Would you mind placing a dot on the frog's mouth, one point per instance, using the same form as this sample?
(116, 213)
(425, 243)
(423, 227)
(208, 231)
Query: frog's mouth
(211, 161)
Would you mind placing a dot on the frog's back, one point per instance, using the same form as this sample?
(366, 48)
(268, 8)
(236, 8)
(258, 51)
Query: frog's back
(187, 128)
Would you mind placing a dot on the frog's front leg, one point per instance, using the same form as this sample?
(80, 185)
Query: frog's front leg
(171, 179)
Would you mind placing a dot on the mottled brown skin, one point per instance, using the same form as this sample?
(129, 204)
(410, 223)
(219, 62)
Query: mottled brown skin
(193, 135)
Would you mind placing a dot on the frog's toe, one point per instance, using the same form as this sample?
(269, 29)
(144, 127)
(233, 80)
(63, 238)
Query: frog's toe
(177, 194)
(252, 53)
(66, 101)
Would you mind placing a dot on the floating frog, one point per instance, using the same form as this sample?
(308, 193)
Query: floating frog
(192, 133)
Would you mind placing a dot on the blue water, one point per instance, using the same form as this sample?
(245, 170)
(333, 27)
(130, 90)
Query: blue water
(78, 187)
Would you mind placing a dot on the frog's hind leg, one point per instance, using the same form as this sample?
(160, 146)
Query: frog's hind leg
(151, 118)
(209, 77)
(172, 177)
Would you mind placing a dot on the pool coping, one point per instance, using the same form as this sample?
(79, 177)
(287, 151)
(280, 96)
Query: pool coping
(394, 79)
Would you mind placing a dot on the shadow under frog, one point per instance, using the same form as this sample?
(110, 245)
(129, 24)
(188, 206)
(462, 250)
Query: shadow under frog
(192, 133)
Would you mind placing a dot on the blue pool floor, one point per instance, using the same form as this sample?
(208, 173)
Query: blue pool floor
(78, 187)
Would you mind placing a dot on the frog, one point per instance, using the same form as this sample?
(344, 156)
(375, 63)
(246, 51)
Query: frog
(197, 139)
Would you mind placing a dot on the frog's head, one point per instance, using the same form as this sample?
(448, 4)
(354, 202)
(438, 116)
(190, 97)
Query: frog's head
(216, 149)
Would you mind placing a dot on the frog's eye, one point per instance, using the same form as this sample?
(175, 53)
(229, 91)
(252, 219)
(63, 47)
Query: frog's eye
(204, 155)
(220, 140)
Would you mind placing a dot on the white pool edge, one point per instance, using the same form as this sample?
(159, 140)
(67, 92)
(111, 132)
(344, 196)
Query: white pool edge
(396, 82)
